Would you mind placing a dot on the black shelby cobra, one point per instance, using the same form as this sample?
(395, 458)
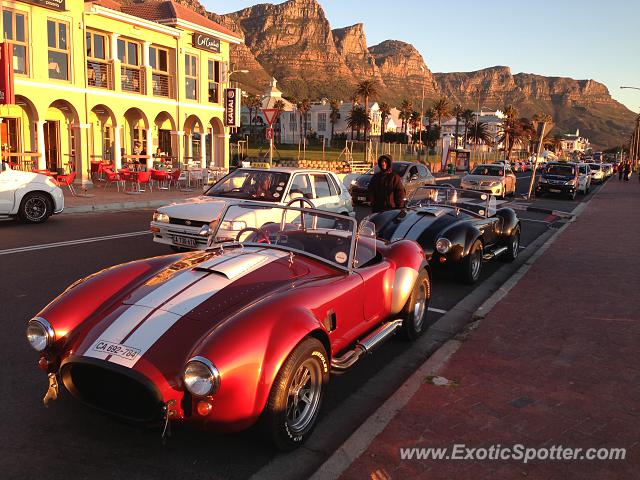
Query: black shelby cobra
(455, 227)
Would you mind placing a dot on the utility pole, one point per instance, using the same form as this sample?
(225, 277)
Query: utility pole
(542, 126)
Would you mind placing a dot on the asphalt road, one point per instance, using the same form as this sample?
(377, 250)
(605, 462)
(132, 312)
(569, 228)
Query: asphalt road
(69, 440)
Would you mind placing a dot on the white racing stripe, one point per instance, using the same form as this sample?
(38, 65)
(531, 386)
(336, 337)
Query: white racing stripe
(191, 288)
(67, 243)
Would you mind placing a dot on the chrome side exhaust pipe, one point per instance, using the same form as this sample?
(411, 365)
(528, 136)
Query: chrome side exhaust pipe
(369, 343)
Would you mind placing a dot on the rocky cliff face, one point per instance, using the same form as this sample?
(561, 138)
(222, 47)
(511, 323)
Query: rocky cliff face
(351, 44)
(293, 41)
(403, 70)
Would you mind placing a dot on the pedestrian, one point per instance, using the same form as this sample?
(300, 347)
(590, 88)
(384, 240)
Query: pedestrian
(627, 171)
(620, 170)
(386, 191)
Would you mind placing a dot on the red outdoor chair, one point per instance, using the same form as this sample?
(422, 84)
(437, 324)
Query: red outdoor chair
(113, 177)
(174, 177)
(160, 176)
(143, 178)
(68, 181)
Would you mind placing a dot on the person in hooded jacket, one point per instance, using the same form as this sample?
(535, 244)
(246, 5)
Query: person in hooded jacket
(386, 191)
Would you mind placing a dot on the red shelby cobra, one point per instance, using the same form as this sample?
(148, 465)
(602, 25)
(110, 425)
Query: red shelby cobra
(248, 330)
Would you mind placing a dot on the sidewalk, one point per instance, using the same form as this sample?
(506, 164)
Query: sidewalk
(556, 362)
(100, 199)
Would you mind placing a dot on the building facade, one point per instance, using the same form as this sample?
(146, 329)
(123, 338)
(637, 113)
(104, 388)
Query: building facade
(573, 142)
(97, 80)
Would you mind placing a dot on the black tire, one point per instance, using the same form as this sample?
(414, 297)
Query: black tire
(309, 358)
(35, 208)
(573, 195)
(513, 246)
(414, 314)
(471, 265)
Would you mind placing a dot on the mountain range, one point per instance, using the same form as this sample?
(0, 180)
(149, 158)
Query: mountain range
(294, 42)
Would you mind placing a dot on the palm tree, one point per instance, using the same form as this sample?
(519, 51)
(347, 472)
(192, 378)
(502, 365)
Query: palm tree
(358, 120)
(365, 90)
(441, 109)
(406, 107)
(468, 116)
(508, 128)
(480, 132)
(414, 119)
(304, 106)
(334, 115)
(457, 112)
(385, 111)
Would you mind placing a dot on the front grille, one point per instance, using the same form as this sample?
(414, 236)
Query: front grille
(192, 223)
(113, 389)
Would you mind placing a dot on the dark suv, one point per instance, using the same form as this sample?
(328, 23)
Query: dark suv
(558, 177)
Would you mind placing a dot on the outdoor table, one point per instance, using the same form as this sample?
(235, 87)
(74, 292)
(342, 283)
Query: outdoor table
(135, 187)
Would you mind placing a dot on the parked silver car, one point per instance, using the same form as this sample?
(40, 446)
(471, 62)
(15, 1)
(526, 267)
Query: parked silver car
(188, 224)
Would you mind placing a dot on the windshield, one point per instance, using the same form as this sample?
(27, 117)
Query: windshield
(322, 235)
(261, 185)
(476, 202)
(489, 170)
(399, 168)
(594, 166)
(557, 169)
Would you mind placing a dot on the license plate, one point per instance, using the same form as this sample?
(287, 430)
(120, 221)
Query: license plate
(185, 241)
(116, 349)
(362, 199)
(555, 190)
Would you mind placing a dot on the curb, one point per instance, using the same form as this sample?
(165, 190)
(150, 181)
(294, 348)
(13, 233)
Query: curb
(358, 442)
(547, 211)
(110, 207)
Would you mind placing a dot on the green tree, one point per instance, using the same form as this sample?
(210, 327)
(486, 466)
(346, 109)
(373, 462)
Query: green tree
(509, 124)
(468, 116)
(479, 132)
(366, 89)
(253, 102)
(303, 106)
(358, 120)
(385, 111)
(334, 115)
(406, 107)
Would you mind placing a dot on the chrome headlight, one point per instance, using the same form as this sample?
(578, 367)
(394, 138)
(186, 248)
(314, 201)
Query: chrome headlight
(160, 217)
(354, 182)
(235, 225)
(201, 377)
(443, 245)
(570, 182)
(40, 334)
(543, 180)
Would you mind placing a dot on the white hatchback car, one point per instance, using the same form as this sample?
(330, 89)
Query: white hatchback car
(188, 224)
(32, 197)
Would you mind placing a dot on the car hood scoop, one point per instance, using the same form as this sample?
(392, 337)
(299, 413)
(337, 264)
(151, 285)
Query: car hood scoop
(433, 211)
(237, 265)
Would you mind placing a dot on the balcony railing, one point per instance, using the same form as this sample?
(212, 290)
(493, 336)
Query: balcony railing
(99, 74)
(161, 85)
(131, 80)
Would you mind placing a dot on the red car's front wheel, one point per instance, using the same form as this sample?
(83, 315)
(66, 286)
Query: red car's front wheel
(296, 395)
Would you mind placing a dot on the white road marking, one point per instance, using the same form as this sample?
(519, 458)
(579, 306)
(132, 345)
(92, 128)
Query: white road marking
(67, 243)
(437, 310)
(532, 220)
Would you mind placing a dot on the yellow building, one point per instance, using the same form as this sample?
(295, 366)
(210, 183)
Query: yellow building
(97, 80)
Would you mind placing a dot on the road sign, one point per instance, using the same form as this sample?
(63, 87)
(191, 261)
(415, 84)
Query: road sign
(269, 133)
(270, 115)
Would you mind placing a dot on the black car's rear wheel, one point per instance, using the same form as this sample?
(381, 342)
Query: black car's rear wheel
(296, 395)
(471, 265)
(414, 313)
(513, 246)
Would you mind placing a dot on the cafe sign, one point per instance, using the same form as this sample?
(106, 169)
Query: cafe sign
(52, 4)
(206, 42)
(232, 98)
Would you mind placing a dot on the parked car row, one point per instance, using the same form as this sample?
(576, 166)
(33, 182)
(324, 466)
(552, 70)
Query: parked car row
(570, 178)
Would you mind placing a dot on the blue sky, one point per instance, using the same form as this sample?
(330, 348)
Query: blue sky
(567, 38)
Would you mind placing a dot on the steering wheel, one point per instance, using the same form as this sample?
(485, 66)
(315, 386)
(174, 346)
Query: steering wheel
(262, 235)
(302, 201)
